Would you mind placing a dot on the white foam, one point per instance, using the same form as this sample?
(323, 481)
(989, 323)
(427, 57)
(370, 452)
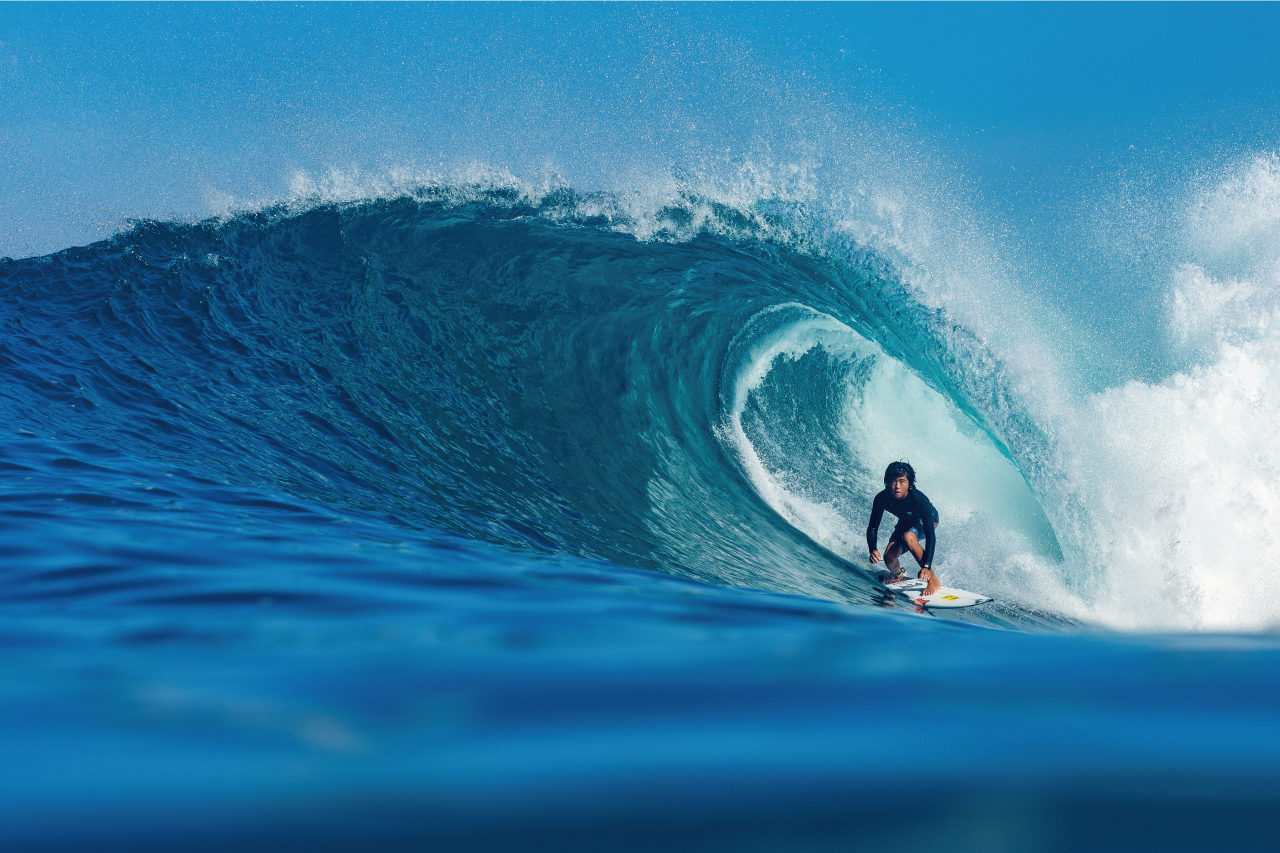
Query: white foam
(1182, 477)
(353, 184)
(1182, 480)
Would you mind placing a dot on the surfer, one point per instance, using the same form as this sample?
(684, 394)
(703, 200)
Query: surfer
(916, 520)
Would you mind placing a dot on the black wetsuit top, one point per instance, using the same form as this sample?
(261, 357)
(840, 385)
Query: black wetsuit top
(912, 511)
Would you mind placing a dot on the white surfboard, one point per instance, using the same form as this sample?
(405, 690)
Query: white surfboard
(912, 588)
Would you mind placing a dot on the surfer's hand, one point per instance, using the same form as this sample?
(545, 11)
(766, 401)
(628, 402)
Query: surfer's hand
(875, 557)
(933, 585)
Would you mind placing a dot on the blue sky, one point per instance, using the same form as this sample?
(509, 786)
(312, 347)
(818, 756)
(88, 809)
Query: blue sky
(109, 111)
(1083, 69)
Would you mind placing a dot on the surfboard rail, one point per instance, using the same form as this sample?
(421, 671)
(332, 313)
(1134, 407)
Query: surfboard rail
(945, 598)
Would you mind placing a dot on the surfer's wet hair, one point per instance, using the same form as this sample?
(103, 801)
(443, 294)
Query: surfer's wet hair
(900, 469)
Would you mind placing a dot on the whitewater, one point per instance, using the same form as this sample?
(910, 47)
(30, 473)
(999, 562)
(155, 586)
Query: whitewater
(519, 502)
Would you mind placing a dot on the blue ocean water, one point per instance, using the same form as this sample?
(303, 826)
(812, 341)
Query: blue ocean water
(470, 506)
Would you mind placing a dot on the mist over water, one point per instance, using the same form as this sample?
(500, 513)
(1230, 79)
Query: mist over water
(457, 427)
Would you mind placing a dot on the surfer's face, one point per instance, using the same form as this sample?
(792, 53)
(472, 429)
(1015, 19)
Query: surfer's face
(899, 487)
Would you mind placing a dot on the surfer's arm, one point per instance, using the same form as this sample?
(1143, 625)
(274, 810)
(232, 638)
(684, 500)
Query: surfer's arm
(873, 528)
(930, 532)
(930, 535)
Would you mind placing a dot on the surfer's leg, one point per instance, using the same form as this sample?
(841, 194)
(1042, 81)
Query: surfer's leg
(913, 545)
(891, 554)
(912, 541)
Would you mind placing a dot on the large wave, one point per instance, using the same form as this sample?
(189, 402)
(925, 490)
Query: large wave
(707, 387)
(519, 370)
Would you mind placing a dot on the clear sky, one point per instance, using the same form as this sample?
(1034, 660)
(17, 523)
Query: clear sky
(117, 110)
(1082, 69)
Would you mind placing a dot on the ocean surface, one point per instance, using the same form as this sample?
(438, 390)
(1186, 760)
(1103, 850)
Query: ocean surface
(454, 509)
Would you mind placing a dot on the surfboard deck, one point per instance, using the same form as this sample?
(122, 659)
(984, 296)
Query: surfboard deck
(946, 597)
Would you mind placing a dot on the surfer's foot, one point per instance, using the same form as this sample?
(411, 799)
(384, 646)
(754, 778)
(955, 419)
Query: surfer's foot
(900, 576)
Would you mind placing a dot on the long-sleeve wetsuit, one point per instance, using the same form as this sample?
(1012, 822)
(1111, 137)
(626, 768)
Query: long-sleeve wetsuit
(913, 511)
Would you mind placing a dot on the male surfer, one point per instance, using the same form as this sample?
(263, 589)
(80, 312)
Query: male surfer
(916, 518)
